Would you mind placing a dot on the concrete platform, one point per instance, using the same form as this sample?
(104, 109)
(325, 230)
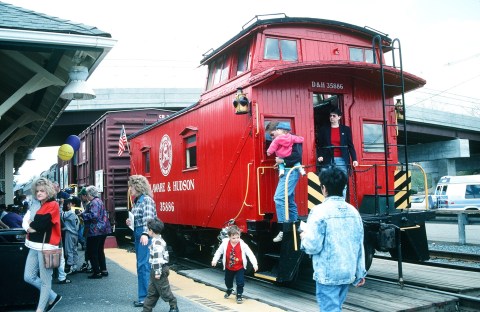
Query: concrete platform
(117, 292)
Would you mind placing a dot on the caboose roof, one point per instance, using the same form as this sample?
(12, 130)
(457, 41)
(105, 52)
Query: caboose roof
(294, 20)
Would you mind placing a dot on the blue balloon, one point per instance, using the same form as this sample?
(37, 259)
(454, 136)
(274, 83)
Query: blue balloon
(74, 141)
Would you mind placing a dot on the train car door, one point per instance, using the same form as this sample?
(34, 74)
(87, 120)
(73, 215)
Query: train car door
(323, 103)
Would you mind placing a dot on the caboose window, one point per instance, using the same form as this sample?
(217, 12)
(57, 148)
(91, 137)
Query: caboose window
(373, 138)
(356, 54)
(289, 50)
(369, 56)
(191, 152)
(146, 161)
(242, 65)
(361, 55)
(218, 71)
(280, 49)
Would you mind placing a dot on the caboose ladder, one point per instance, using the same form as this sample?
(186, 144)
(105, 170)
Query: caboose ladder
(397, 84)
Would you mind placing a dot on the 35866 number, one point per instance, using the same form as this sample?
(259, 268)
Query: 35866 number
(334, 85)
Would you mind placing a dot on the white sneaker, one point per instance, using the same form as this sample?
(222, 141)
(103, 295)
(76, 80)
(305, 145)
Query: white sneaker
(281, 173)
(278, 238)
(302, 171)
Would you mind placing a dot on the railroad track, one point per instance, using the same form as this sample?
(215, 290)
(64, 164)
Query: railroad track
(455, 255)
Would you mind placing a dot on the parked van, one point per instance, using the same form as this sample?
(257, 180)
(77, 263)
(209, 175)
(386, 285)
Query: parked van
(461, 192)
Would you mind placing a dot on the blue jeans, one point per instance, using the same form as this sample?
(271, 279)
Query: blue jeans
(279, 196)
(340, 164)
(331, 297)
(143, 267)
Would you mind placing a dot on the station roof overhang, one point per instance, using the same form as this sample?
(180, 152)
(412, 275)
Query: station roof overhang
(36, 54)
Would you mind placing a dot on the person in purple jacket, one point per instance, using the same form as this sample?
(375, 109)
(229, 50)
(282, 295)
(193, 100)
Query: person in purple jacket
(96, 221)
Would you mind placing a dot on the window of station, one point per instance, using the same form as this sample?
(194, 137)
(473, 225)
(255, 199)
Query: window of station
(190, 151)
(280, 49)
(361, 55)
(373, 138)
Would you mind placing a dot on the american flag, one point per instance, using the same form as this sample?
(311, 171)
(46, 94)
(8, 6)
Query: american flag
(122, 141)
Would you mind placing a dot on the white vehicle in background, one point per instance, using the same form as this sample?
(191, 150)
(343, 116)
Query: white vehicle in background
(417, 202)
(460, 192)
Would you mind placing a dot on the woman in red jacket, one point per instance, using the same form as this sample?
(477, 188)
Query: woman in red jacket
(42, 223)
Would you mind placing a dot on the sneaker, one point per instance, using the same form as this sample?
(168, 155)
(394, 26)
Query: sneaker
(239, 299)
(281, 173)
(70, 270)
(228, 293)
(65, 281)
(173, 309)
(54, 303)
(138, 304)
(278, 238)
(302, 171)
(104, 273)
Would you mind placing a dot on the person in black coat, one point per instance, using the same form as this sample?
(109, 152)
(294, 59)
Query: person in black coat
(335, 145)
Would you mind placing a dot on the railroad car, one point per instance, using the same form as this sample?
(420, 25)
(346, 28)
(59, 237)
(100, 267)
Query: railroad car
(208, 166)
(97, 162)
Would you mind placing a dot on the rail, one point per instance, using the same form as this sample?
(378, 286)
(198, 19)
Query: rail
(462, 221)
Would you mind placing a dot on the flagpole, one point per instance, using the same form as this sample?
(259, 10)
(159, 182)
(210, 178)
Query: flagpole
(129, 152)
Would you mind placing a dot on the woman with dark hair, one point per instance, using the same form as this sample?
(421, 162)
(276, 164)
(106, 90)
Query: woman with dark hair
(98, 227)
(43, 232)
(143, 210)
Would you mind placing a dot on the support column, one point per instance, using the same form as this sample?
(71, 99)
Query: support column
(451, 167)
(6, 175)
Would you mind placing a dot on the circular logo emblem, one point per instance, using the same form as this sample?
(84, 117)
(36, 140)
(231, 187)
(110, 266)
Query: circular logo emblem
(165, 155)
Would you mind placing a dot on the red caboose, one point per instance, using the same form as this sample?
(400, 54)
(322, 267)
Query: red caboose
(207, 164)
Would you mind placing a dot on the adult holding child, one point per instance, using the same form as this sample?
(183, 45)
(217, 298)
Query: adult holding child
(143, 210)
(292, 159)
(43, 233)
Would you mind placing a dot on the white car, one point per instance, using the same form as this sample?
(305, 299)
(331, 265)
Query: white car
(418, 202)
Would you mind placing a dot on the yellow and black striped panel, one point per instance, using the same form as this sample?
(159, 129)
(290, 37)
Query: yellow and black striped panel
(403, 185)
(315, 196)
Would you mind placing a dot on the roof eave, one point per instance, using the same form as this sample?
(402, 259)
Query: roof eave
(60, 39)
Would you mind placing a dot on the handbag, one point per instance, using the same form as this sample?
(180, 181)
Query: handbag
(51, 257)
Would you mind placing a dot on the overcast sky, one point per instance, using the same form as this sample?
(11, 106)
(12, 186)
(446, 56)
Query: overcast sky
(160, 43)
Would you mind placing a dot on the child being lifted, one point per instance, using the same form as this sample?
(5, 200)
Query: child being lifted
(282, 146)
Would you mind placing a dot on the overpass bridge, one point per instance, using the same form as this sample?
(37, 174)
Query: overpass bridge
(442, 141)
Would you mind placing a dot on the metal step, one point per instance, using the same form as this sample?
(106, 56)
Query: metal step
(267, 275)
